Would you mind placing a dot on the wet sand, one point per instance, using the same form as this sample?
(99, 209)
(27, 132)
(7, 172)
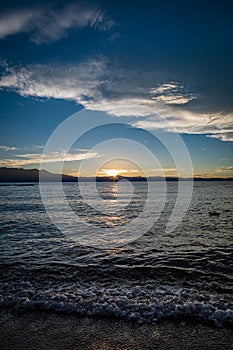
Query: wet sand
(50, 331)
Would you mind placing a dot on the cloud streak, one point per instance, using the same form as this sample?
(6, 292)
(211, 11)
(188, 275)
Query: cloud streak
(13, 148)
(229, 168)
(8, 148)
(223, 136)
(47, 24)
(171, 93)
(33, 158)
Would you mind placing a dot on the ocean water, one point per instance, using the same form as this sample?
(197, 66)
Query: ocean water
(160, 275)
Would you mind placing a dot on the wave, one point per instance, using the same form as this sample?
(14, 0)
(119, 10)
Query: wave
(142, 303)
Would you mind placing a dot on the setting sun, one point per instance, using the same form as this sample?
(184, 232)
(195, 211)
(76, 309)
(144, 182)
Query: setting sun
(112, 172)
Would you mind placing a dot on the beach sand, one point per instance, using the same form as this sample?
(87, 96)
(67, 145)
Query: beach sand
(41, 330)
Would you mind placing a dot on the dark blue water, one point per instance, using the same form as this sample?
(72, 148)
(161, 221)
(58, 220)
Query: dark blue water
(187, 272)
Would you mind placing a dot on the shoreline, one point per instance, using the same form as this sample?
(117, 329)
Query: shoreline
(49, 331)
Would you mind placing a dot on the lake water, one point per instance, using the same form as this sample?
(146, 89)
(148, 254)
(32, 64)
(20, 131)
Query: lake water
(187, 272)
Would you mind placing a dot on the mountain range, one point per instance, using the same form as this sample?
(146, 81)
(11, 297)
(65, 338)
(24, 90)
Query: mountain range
(32, 175)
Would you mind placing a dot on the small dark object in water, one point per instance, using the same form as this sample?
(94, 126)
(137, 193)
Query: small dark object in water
(214, 213)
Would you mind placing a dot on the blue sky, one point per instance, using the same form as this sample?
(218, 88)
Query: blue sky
(141, 63)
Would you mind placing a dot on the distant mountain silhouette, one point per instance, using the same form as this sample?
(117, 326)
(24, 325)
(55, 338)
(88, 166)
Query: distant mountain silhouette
(32, 175)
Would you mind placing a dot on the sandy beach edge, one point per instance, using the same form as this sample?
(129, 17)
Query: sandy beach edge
(50, 331)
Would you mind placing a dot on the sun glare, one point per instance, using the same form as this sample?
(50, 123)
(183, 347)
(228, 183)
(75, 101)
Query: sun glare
(112, 172)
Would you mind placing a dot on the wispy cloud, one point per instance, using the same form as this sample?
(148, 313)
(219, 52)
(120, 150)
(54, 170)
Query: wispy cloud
(48, 23)
(33, 158)
(163, 88)
(15, 22)
(100, 87)
(225, 171)
(8, 148)
(223, 136)
(73, 82)
(190, 122)
(171, 93)
(228, 168)
(173, 99)
(14, 148)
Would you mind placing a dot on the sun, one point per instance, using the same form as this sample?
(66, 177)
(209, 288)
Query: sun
(112, 172)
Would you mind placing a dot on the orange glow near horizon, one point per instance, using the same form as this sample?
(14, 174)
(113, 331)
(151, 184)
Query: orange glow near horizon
(112, 172)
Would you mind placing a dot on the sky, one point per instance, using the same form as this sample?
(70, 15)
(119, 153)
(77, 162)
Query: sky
(161, 67)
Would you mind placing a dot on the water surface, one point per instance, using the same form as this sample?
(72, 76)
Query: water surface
(160, 275)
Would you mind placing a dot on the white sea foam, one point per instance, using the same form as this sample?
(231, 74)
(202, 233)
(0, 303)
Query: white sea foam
(142, 304)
